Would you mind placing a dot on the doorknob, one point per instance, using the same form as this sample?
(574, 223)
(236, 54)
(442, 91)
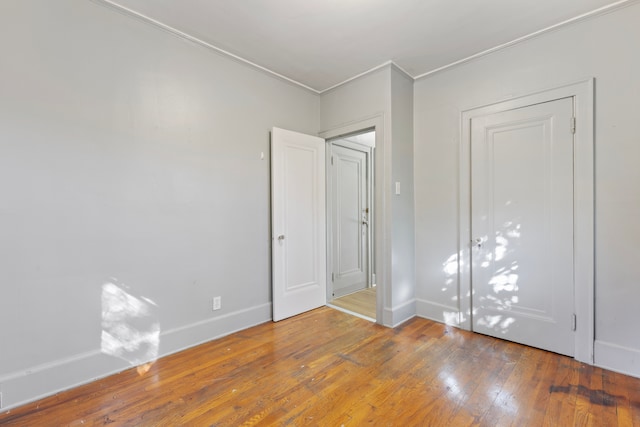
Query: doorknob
(281, 237)
(365, 222)
(477, 243)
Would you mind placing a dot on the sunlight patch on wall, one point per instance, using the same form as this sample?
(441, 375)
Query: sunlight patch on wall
(130, 326)
(451, 268)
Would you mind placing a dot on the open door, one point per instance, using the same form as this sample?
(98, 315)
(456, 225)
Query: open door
(298, 222)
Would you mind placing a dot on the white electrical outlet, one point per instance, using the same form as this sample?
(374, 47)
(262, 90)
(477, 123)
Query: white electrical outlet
(217, 303)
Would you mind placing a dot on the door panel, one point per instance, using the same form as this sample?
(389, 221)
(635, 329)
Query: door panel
(349, 219)
(522, 225)
(298, 222)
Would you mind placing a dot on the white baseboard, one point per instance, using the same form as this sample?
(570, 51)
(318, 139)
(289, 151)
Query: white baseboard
(437, 312)
(617, 358)
(44, 380)
(399, 314)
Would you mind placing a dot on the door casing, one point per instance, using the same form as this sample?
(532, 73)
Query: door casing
(583, 95)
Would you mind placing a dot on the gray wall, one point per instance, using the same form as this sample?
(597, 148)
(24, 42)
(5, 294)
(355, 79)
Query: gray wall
(605, 47)
(403, 227)
(359, 101)
(385, 94)
(132, 157)
(129, 156)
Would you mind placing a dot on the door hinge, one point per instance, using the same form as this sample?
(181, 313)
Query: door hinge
(573, 125)
(574, 322)
(331, 160)
(332, 276)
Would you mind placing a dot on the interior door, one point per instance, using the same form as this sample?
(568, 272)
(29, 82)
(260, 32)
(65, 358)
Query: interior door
(298, 222)
(350, 220)
(522, 225)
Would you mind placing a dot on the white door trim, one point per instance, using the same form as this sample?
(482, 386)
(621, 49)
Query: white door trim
(382, 263)
(583, 94)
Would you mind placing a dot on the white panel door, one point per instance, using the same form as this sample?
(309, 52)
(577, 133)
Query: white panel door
(349, 220)
(522, 225)
(298, 222)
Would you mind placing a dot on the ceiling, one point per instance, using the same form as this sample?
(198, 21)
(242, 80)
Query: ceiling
(322, 43)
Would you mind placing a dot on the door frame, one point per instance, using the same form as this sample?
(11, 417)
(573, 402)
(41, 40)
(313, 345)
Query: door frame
(381, 268)
(582, 93)
(368, 151)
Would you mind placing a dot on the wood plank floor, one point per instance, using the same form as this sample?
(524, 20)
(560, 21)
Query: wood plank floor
(362, 302)
(327, 368)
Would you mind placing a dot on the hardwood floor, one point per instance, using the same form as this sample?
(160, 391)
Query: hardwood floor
(327, 368)
(362, 302)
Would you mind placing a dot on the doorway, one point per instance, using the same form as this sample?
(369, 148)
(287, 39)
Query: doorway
(495, 204)
(350, 282)
(301, 271)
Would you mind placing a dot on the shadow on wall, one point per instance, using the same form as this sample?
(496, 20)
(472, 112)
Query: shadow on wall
(452, 267)
(130, 326)
(500, 293)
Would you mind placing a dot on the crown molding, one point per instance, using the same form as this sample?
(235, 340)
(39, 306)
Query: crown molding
(357, 76)
(596, 12)
(402, 70)
(148, 20)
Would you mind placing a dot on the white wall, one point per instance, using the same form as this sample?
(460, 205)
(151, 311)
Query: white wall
(132, 156)
(605, 48)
